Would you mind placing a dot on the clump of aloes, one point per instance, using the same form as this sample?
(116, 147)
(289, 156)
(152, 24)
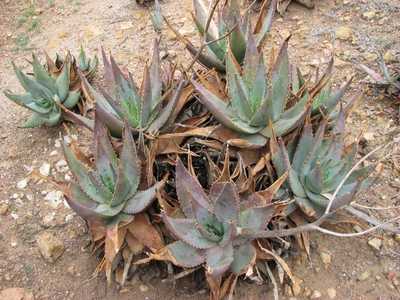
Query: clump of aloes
(232, 30)
(317, 165)
(147, 109)
(210, 230)
(45, 94)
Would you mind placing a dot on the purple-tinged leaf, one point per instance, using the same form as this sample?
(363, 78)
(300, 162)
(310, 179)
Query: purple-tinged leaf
(219, 259)
(189, 191)
(243, 257)
(155, 77)
(146, 105)
(81, 203)
(185, 255)
(256, 218)
(142, 199)
(186, 231)
(226, 207)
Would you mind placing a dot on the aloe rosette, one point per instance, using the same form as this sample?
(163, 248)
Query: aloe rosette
(110, 191)
(147, 109)
(232, 30)
(317, 164)
(44, 94)
(210, 233)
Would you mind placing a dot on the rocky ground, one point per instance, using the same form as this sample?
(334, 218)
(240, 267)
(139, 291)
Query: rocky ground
(43, 244)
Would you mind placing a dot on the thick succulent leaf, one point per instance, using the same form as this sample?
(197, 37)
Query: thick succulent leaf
(35, 120)
(189, 191)
(40, 106)
(317, 199)
(256, 218)
(42, 76)
(289, 119)
(185, 255)
(208, 59)
(166, 112)
(237, 43)
(251, 61)
(105, 159)
(87, 183)
(186, 231)
(264, 21)
(156, 17)
(155, 76)
(333, 99)
(128, 178)
(72, 99)
(141, 200)
(258, 90)
(81, 203)
(237, 93)
(201, 16)
(219, 259)
(221, 111)
(277, 157)
(280, 82)
(62, 82)
(243, 257)
(303, 147)
(312, 155)
(226, 207)
(146, 103)
(314, 180)
(33, 87)
(374, 75)
(108, 211)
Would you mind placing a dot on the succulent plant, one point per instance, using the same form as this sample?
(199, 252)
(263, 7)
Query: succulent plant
(83, 64)
(147, 109)
(257, 106)
(390, 81)
(210, 232)
(109, 192)
(230, 23)
(45, 94)
(317, 164)
(253, 100)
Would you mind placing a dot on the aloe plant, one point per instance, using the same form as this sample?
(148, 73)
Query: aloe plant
(390, 81)
(110, 191)
(232, 23)
(210, 233)
(44, 94)
(256, 106)
(145, 109)
(317, 163)
(85, 65)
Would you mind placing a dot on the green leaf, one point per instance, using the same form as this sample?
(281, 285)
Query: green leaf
(128, 177)
(62, 82)
(42, 76)
(106, 159)
(72, 99)
(280, 82)
(34, 121)
(185, 255)
(81, 203)
(221, 112)
(237, 43)
(84, 179)
(243, 257)
(303, 147)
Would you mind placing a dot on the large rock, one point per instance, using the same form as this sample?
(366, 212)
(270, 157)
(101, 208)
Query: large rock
(16, 294)
(50, 246)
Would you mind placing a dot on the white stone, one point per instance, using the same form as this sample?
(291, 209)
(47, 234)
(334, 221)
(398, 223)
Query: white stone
(375, 243)
(45, 169)
(54, 198)
(22, 183)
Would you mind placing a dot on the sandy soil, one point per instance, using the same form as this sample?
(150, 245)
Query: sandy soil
(124, 28)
